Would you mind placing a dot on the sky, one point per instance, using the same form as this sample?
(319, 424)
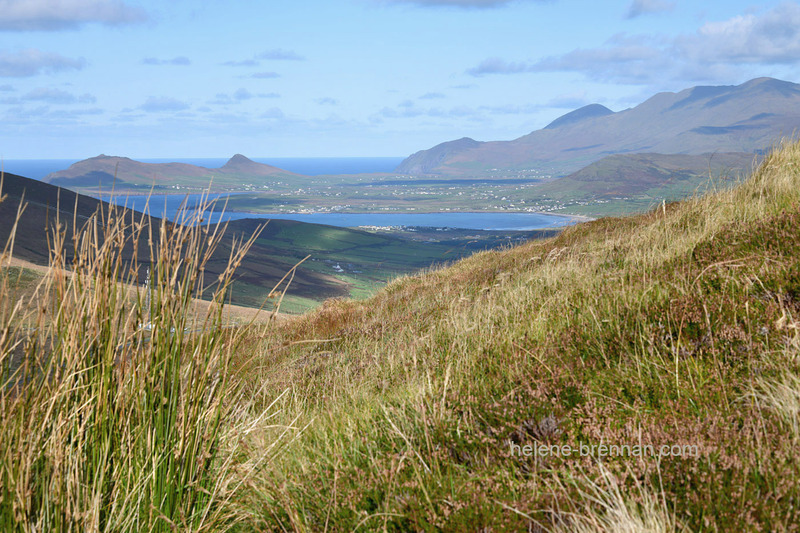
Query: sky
(348, 78)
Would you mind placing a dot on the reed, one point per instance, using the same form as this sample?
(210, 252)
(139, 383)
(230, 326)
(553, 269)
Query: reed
(113, 402)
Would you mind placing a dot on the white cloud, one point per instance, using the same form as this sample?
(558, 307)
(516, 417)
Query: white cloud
(43, 115)
(569, 101)
(49, 15)
(272, 113)
(623, 60)
(179, 61)
(242, 94)
(495, 65)
(407, 109)
(265, 75)
(716, 52)
(239, 96)
(511, 109)
(626, 60)
(645, 7)
(770, 38)
(30, 62)
(279, 54)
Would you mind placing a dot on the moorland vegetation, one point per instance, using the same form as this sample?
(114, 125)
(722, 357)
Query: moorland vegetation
(677, 327)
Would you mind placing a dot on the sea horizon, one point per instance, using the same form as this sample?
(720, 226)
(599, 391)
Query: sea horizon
(38, 169)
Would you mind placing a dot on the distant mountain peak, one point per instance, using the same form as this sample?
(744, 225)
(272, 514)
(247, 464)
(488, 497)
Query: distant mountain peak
(585, 112)
(422, 162)
(241, 164)
(239, 159)
(765, 80)
(785, 88)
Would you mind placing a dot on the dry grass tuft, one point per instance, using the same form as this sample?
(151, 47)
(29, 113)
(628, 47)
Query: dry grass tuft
(605, 506)
(783, 396)
(116, 411)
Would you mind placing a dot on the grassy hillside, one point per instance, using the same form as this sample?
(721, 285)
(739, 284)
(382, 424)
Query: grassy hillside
(674, 328)
(419, 408)
(629, 183)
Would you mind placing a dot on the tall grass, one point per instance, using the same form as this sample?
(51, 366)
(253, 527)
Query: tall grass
(113, 416)
(646, 329)
(603, 505)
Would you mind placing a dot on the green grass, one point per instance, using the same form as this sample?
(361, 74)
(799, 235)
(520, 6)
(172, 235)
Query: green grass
(401, 411)
(367, 260)
(676, 327)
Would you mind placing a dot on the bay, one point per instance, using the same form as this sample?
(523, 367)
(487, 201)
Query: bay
(169, 205)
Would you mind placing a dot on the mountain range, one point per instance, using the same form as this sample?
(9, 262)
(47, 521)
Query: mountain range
(662, 149)
(745, 118)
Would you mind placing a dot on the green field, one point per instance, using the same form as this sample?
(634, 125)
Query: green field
(363, 261)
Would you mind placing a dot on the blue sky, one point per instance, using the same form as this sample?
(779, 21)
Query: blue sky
(307, 78)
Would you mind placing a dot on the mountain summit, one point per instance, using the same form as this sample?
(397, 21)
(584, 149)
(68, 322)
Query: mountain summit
(738, 118)
(238, 160)
(240, 164)
(589, 111)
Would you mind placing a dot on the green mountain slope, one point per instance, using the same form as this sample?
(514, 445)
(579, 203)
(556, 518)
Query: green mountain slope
(343, 262)
(626, 183)
(676, 328)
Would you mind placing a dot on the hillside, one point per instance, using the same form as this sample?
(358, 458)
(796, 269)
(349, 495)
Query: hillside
(123, 173)
(742, 118)
(624, 183)
(674, 328)
(367, 260)
(427, 161)
(256, 278)
(630, 374)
